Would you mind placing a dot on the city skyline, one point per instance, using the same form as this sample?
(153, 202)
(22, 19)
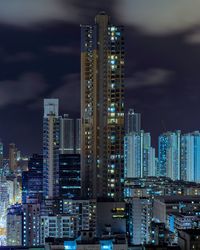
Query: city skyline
(160, 83)
(101, 181)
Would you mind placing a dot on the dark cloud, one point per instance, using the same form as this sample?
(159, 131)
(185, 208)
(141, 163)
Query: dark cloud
(149, 78)
(27, 87)
(63, 50)
(19, 57)
(159, 17)
(27, 13)
(193, 38)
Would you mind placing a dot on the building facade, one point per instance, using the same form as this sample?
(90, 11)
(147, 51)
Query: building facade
(51, 144)
(14, 225)
(133, 122)
(102, 108)
(190, 157)
(69, 176)
(139, 156)
(32, 180)
(169, 156)
(69, 135)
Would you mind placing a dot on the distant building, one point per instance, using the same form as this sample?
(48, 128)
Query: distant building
(158, 234)
(14, 225)
(133, 122)
(85, 210)
(51, 144)
(69, 176)
(111, 215)
(66, 135)
(159, 186)
(58, 226)
(12, 157)
(78, 136)
(169, 155)
(32, 180)
(139, 155)
(139, 212)
(69, 135)
(165, 205)
(181, 221)
(1, 156)
(31, 224)
(189, 239)
(190, 157)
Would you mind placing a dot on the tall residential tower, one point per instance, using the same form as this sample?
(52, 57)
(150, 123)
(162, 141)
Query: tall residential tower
(102, 109)
(169, 147)
(51, 143)
(69, 135)
(133, 121)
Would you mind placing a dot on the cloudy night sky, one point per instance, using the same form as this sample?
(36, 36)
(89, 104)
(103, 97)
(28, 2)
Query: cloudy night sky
(40, 58)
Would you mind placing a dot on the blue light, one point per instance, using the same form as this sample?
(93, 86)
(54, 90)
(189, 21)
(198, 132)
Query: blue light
(70, 245)
(106, 244)
(112, 109)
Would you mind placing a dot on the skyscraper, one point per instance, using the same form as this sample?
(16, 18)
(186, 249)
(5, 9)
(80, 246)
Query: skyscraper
(69, 179)
(32, 180)
(102, 108)
(66, 135)
(69, 135)
(12, 156)
(14, 225)
(169, 155)
(78, 136)
(133, 121)
(1, 155)
(190, 157)
(139, 155)
(51, 143)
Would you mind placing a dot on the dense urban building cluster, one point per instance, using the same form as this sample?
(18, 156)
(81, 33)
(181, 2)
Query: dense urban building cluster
(98, 184)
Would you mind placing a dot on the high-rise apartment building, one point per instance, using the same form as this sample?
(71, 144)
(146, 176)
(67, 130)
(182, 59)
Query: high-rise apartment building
(139, 220)
(133, 121)
(12, 156)
(31, 225)
(58, 226)
(14, 225)
(66, 135)
(102, 108)
(51, 144)
(69, 135)
(32, 180)
(1, 155)
(78, 136)
(169, 155)
(190, 157)
(69, 176)
(139, 155)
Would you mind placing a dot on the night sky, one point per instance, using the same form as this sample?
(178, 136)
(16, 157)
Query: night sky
(40, 58)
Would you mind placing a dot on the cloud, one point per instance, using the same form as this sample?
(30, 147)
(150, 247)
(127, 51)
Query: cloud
(159, 16)
(69, 93)
(150, 77)
(27, 87)
(19, 57)
(193, 38)
(29, 12)
(56, 49)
